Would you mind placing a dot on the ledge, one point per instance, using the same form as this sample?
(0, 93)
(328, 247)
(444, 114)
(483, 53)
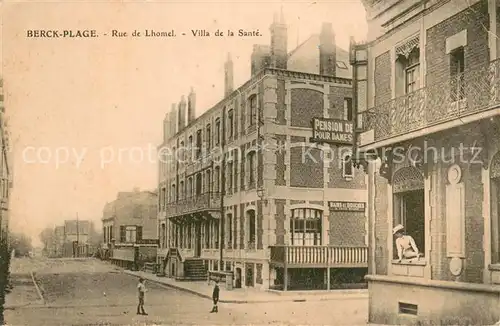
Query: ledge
(421, 262)
(494, 267)
(475, 287)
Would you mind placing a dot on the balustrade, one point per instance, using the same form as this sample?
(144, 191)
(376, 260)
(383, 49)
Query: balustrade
(476, 90)
(205, 201)
(320, 255)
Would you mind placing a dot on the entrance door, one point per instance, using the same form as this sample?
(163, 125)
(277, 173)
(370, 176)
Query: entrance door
(197, 247)
(249, 275)
(237, 278)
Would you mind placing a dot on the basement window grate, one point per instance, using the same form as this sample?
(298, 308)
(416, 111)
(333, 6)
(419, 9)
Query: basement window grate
(408, 308)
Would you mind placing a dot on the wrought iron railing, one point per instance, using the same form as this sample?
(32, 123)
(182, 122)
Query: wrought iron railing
(206, 201)
(326, 255)
(474, 91)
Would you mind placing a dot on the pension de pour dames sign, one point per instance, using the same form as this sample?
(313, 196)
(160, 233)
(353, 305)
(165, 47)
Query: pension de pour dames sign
(333, 131)
(346, 206)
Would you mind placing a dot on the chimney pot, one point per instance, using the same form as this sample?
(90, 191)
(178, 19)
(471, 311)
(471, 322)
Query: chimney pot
(191, 105)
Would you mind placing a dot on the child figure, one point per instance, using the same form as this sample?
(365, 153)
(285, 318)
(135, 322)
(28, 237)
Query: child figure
(405, 244)
(215, 296)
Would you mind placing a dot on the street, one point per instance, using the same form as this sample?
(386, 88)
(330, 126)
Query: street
(78, 292)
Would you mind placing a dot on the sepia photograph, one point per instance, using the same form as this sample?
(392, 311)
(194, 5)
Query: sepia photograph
(330, 162)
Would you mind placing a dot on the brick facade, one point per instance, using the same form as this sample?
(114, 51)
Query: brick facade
(305, 105)
(347, 228)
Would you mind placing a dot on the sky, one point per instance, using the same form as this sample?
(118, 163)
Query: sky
(86, 114)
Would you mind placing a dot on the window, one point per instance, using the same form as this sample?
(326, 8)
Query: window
(198, 184)
(409, 206)
(209, 137)
(495, 208)
(305, 227)
(163, 236)
(229, 177)
(253, 110)
(412, 71)
(162, 199)
(130, 234)
(174, 195)
(217, 131)
(229, 230)
(189, 190)
(251, 229)
(181, 190)
(230, 123)
(123, 234)
(341, 65)
(182, 155)
(348, 109)
(190, 147)
(198, 144)
(216, 179)
(407, 69)
(347, 168)
(457, 68)
(208, 183)
(251, 169)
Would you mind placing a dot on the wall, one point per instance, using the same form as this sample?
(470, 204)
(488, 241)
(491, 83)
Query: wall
(136, 208)
(447, 306)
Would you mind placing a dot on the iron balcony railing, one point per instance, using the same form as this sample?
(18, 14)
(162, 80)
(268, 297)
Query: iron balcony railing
(476, 90)
(320, 255)
(201, 202)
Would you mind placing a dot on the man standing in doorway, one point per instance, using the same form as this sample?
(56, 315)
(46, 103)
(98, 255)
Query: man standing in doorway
(141, 288)
(215, 297)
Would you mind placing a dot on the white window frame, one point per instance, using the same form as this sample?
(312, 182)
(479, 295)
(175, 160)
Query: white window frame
(130, 234)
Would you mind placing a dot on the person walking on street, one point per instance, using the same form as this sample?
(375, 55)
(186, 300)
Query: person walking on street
(141, 288)
(215, 296)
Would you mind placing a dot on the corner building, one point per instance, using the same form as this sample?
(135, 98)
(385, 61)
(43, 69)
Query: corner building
(428, 86)
(279, 231)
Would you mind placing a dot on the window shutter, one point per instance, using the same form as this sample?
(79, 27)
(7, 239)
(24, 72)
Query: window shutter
(122, 233)
(139, 233)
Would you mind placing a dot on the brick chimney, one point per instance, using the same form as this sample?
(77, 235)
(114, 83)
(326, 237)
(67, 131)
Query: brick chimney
(182, 113)
(261, 57)
(166, 127)
(279, 38)
(327, 51)
(173, 119)
(228, 76)
(191, 105)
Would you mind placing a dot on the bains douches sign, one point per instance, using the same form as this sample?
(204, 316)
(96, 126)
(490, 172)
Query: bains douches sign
(333, 131)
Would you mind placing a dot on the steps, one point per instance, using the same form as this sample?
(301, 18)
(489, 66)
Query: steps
(194, 270)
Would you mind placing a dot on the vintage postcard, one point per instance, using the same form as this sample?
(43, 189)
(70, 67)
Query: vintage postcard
(332, 162)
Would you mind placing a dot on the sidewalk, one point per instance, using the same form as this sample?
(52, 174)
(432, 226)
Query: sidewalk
(203, 289)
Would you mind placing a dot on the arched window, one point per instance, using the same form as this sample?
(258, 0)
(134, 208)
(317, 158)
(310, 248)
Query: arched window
(163, 236)
(174, 195)
(182, 153)
(253, 110)
(251, 158)
(190, 148)
(347, 168)
(252, 232)
(306, 227)
(209, 137)
(182, 193)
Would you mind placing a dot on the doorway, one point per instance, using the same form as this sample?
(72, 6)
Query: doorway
(197, 247)
(237, 278)
(249, 275)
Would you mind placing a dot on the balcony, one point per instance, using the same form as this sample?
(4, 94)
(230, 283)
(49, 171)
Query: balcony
(319, 256)
(470, 96)
(207, 202)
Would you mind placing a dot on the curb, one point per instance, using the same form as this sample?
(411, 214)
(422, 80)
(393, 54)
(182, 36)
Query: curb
(282, 299)
(37, 288)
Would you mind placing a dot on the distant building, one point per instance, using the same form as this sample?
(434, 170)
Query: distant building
(129, 228)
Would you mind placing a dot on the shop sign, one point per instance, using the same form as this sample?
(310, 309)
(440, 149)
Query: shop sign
(346, 206)
(332, 131)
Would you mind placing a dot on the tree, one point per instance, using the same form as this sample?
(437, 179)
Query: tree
(4, 272)
(21, 243)
(47, 237)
